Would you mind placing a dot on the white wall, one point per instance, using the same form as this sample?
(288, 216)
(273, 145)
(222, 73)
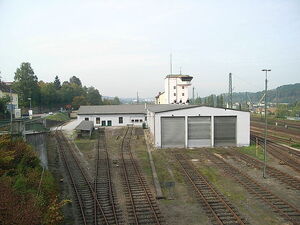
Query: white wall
(242, 129)
(170, 83)
(127, 119)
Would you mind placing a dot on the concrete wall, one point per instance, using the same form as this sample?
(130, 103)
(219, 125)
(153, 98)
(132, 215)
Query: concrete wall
(127, 119)
(242, 126)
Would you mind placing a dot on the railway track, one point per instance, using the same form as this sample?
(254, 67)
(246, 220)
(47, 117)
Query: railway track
(103, 184)
(90, 211)
(288, 156)
(277, 204)
(283, 177)
(141, 205)
(216, 206)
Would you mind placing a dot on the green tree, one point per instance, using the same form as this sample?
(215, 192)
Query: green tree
(26, 85)
(75, 80)
(93, 96)
(78, 101)
(56, 82)
(198, 101)
(3, 106)
(49, 96)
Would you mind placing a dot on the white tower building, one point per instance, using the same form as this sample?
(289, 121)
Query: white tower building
(176, 90)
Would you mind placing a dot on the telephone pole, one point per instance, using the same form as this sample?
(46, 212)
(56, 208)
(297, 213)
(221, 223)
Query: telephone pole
(230, 92)
(266, 126)
(193, 95)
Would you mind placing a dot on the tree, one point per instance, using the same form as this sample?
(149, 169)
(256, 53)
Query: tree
(3, 105)
(56, 82)
(116, 101)
(49, 96)
(93, 96)
(75, 80)
(26, 85)
(78, 101)
(198, 101)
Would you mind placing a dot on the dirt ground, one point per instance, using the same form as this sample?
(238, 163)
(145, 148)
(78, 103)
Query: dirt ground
(180, 205)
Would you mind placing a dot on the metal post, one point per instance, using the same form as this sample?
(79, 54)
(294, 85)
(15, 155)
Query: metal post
(11, 111)
(266, 124)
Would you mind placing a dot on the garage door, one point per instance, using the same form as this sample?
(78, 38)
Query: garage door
(199, 131)
(172, 132)
(225, 130)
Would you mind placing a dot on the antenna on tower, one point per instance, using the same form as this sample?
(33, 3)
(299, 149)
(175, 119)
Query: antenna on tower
(180, 70)
(171, 66)
(230, 92)
(137, 97)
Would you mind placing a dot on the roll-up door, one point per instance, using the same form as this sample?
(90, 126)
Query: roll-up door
(225, 130)
(172, 132)
(199, 131)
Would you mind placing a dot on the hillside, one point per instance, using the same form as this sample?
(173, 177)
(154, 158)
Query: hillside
(289, 93)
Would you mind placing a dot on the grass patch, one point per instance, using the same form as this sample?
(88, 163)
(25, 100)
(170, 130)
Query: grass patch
(58, 117)
(252, 151)
(85, 144)
(295, 145)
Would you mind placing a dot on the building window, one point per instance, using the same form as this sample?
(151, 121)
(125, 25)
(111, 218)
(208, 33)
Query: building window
(182, 87)
(132, 121)
(86, 118)
(120, 120)
(97, 120)
(136, 121)
(145, 118)
(182, 94)
(174, 87)
(109, 123)
(103, 123)
(174, 94)
(141, 120)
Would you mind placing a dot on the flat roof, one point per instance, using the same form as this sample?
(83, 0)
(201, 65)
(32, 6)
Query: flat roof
(111, 109)
(168, 107)
(85, 125)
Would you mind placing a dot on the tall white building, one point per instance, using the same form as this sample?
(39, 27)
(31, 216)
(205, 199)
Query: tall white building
(176, 90)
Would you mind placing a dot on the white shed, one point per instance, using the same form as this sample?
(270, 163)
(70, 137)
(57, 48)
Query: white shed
(113, 115)
(174, 126)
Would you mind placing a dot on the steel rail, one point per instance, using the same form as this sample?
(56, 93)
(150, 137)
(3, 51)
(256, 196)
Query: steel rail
(287, 210)
(180, 158)
(139, 176)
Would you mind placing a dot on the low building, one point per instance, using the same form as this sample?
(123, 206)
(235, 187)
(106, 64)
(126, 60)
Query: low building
(85, 128)
(198, 126)
(6, 90)
(177, 126)
(113, 115)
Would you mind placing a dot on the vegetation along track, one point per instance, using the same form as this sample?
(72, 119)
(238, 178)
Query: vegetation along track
(283, 177)
(214, 204)
(141, 205)
(278, 205)
(103, 184)
(85, 196)
(287, 155)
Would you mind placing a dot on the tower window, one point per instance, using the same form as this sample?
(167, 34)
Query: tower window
(174, 94)
(182, 94)
(182, 87)
(174, 87)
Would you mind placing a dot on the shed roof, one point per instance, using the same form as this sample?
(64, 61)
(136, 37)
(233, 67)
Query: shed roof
(85, 125)
(111, 109)
(6, 88)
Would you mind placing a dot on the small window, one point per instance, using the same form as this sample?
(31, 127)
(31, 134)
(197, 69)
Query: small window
(97, 120)
(120, 120)
(136, 121)
(103, 123)
(132, 121)
(145, 118)
(174, 94)
(109, 123)
(174, 87)
(141, 120)
(182, 87)
(86, 118)
(182, 94)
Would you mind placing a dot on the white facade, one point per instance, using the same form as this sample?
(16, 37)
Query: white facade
(176, 90)
(115, 119)
(242, 122)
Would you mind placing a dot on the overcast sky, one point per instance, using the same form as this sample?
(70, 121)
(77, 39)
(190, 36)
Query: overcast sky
(123, 46)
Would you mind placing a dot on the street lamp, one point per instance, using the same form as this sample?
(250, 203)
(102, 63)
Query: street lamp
(30, 103)
(265, 147)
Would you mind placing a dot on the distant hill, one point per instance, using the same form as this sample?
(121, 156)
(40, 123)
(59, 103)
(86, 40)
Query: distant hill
(289, 93)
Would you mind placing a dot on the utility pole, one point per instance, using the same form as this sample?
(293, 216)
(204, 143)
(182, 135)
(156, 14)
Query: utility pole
(137, 97)
(171, 66)
(193, 95)
(230, 91)
(266, 126)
